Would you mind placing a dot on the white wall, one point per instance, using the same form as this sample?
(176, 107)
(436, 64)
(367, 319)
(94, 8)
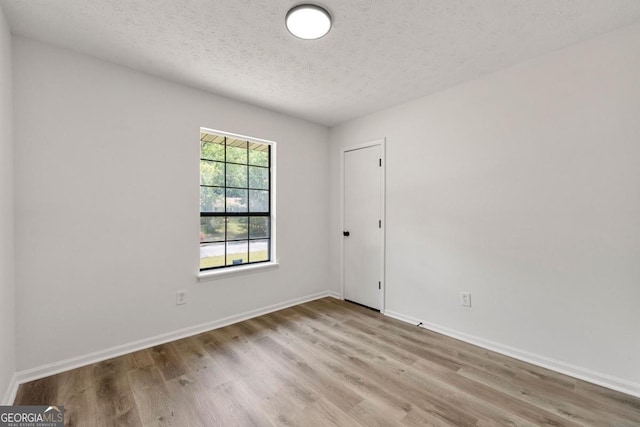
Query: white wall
(107, 205)
(7, 283)
(523, 188)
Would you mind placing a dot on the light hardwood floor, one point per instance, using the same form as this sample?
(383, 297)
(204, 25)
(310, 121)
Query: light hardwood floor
(326, 362)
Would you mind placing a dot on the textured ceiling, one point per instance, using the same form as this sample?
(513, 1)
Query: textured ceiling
(378, 53)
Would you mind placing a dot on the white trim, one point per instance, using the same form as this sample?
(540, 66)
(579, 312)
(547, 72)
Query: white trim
(604, 380)
(207, 275)
(383, 219)
(341, 223)
(382, 142)
(372, 143)
(237, 135)
(32, 374)
(12, 390)
(334, 294)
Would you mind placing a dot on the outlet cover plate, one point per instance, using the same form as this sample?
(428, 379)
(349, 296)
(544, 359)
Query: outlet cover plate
(181, 297)
(465, 299)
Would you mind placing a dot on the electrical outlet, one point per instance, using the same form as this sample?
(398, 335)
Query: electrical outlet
(465, 299)
(181, 297)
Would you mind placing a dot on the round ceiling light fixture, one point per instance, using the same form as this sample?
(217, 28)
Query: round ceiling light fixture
(308, 21)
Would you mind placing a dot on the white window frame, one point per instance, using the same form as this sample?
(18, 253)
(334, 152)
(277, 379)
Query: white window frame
(228, 271)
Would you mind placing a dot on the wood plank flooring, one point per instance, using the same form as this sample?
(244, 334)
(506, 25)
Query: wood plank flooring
(324, 363)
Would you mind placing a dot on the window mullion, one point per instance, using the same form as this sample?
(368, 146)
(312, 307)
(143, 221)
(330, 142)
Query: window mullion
(248, 207)
(226, 218)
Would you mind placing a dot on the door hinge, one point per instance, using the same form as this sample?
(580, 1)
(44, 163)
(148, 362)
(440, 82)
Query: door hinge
(380, 162)
(379, 223)
(379, 285)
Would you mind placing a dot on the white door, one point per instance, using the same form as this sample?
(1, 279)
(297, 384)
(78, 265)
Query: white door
(362, 234)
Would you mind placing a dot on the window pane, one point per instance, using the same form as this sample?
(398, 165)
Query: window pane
(258, 250)
(259, 158)
(237, 227)
(236, 200)
(237, 253)
(236, 176)
(212, 151)
(211, 199)
(211, 173)
(258, 178)
(258, 201)
(211, 255)
(212, 229)
(237, 154)
(259, 227)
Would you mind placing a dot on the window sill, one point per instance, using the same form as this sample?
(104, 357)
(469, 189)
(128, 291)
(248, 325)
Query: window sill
(235, 271)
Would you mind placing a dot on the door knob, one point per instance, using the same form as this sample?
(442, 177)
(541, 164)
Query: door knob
(345, 233)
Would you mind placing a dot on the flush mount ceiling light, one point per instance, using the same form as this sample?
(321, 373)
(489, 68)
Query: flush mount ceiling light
(308, 21)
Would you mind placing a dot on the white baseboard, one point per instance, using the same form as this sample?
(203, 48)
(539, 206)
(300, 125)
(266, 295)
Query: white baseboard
(334, 294)
(588, 375)
(12, 389)
(32, 374)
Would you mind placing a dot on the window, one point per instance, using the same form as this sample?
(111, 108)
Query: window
(235, 201)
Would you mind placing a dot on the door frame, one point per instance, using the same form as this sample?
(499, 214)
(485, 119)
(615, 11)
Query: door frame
(383, 208)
